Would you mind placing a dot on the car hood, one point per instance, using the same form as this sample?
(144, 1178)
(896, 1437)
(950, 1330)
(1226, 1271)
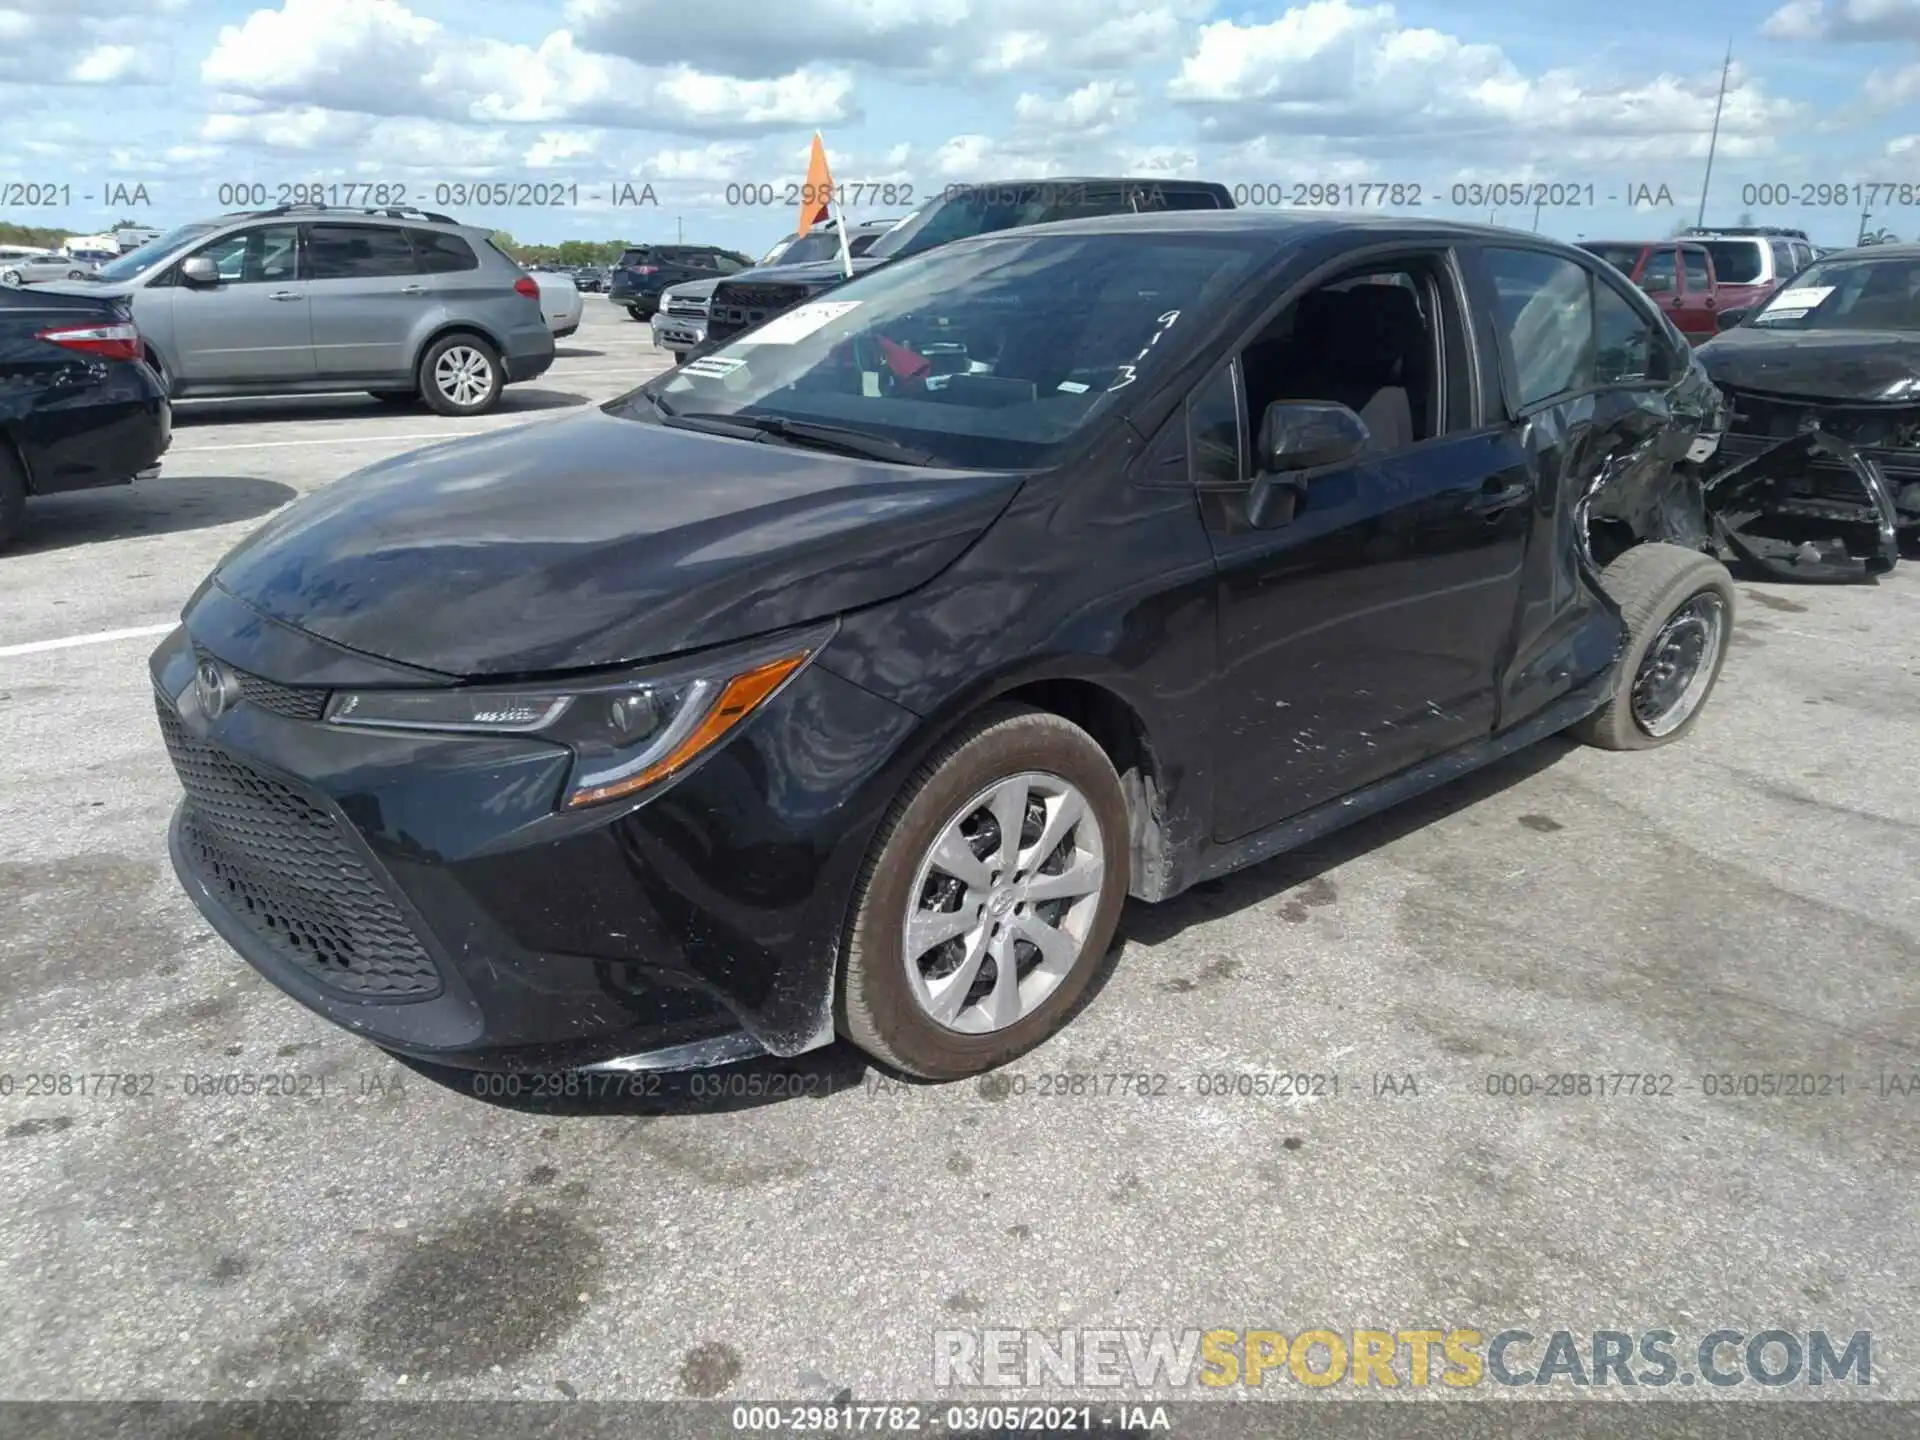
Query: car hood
(813, 272)
(691, 290)
(595, 540)
(1851, 365)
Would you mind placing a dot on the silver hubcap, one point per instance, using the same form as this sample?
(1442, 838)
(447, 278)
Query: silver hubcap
(463, 375)
(1001, 904)
(1679, 665)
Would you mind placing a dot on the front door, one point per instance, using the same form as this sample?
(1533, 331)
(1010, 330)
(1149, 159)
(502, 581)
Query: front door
(253, 326)
(1365, 634)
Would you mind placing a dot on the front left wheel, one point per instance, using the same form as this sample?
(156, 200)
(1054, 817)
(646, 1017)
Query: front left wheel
(989, 898)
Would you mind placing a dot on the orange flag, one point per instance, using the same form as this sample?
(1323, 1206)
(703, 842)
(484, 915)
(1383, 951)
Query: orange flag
(818, 189)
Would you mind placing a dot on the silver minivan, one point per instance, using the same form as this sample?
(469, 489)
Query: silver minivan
(402, 303)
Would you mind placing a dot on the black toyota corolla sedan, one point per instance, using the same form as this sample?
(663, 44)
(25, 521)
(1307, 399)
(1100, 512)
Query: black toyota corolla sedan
(847, 680)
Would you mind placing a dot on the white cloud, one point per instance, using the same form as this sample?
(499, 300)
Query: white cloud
(909, 36)
(84, 42)
(1334, 68)
(1094, 110)
(116, 64)
(377, 57)
(1845, 20)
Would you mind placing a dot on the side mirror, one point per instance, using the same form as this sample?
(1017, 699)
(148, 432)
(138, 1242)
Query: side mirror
(200, 270)
(1657, 284)
(1306, 434)
(1296, 436)
(1727, 319)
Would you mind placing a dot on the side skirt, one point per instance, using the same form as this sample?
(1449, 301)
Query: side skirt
(1325, 818)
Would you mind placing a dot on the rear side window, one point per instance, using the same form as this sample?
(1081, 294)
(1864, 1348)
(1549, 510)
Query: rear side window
(1661, 273)
(1546, 309)
(1736, 262)
(1699, 277)
(441, 254)
(358, 252)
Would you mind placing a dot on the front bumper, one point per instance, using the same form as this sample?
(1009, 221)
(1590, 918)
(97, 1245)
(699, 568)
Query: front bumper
(677, 332)
(423, 892)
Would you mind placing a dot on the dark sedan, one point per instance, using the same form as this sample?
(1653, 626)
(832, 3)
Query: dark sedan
(78, 406)
(847, 680)
(1823, 381)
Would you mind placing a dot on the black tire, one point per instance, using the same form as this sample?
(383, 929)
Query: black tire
(634, 312)
(1651, 583)
(875, 1005)
(13, 496)
(679, 357)
(9, 277)
(159, 369)
(396, 397)
(431, 385)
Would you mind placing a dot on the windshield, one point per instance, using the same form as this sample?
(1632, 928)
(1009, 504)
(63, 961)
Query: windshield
(1735, 262)
(970, 213)
(983, 357)
(1848, 295)
(136, 263)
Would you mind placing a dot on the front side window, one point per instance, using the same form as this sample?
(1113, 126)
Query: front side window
(1546, 309)
(135, 263)
(358, 252)
(985, 356)
(254, 257)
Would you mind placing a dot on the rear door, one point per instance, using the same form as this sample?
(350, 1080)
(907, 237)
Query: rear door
(367, 295)
(1695, 308)
(1660, 277)
(253, 327)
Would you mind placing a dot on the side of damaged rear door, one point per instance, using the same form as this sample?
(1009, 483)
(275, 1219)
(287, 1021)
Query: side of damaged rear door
(1602, 410)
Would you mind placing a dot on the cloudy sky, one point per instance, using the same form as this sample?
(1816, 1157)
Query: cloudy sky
(583, 97)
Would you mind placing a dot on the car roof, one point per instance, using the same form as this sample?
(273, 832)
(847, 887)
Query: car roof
(1286, 227)
(1905, 250)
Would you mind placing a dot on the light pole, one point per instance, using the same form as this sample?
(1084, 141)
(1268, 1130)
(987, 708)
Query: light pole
(1713, 141)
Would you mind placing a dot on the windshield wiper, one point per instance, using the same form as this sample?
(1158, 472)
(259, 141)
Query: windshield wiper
(841, 439)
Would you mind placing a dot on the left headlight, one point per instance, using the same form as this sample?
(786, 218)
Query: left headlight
(626, 734)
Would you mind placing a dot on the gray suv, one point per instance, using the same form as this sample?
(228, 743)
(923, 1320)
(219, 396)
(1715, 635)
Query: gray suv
(403, 303)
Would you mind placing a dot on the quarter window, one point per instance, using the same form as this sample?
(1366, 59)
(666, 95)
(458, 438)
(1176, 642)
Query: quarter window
(1699, 277)
(1213, 430)
(439, 253)
(1546, 309)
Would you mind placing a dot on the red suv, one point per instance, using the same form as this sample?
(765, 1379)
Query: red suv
(1678, 274)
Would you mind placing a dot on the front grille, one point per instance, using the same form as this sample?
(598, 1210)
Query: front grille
(280, 864)
(1892, 428)
(740, 307)
(692, 309)
(296, 702)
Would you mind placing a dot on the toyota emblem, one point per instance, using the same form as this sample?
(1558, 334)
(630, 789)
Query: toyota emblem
(215, 688)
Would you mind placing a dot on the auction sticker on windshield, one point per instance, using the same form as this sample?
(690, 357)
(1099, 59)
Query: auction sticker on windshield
(798, 323)
(1805, 297)
(716, 367)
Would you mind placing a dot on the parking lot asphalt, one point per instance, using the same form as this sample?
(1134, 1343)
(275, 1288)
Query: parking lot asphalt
(1742, 903)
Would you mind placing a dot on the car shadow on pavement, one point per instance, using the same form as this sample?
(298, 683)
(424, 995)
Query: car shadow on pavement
(1298, 869)
(358, 406)
(147, 507)
(817, 1074)
(578, 352)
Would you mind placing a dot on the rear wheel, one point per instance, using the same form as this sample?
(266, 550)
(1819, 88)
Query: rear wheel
(634, 312)
(460, 375)
(1678, 606)
(989, 898)
(13, 496)
(9, 277)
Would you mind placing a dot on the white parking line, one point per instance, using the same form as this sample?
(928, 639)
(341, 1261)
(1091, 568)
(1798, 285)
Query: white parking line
(99, 637)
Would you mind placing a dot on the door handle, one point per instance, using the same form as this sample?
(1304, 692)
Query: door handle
(283, 295)
(1490, 502)
(413, 289)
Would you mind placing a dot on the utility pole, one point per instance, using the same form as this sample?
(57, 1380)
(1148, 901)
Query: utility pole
(1713, 142)
(1536, 215)
(679, 230)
